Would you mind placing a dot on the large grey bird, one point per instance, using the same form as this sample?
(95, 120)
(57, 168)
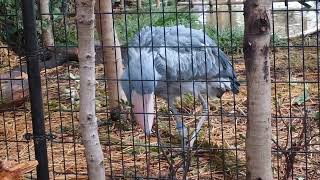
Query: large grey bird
(172, 61)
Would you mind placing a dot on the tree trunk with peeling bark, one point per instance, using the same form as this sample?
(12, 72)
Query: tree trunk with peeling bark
(47, 35)
(88, 120)
(158, 3)
(111, 52)
(257, 15)
(139, 3)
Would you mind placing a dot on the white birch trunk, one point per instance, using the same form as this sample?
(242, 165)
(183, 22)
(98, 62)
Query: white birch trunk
(88, 120)
(47, 35)
(158, 3)
(256, 48)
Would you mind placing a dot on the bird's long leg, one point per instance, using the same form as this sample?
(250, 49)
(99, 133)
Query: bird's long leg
(204, 117)
(181, 128)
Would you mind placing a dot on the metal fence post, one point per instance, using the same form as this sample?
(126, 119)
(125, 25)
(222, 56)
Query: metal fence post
(33, 58)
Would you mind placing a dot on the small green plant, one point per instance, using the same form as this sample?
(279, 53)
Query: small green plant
(277, 41)
(67, 35)
(229, 40)
(128, 25)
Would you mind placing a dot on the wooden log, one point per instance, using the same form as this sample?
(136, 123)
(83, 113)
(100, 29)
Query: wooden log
(14, 89)
(14, 86)
(10, 170)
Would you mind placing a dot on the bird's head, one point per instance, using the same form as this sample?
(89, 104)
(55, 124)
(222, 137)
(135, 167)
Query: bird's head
(139, 86)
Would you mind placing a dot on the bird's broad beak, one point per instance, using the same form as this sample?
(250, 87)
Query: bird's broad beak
(143, 108)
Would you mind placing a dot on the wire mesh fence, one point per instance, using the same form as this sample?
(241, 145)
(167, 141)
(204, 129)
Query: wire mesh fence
(219, 149)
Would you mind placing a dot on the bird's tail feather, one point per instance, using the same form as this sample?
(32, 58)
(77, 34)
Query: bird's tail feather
(230, 71)
(235, 86)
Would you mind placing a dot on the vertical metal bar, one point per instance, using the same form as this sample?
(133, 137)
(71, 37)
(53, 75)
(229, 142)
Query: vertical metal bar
(277, 108)
(33, 58)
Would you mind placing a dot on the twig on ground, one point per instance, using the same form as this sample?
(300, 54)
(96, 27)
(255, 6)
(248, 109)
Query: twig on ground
(169, 161)
(291, 151)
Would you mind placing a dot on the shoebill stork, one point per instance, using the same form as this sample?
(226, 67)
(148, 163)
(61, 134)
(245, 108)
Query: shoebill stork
(169, 62)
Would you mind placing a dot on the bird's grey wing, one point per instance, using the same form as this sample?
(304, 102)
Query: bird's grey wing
(185, 56)
(181, 53)
(154, 39)
(149, 37)
(195, 57)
